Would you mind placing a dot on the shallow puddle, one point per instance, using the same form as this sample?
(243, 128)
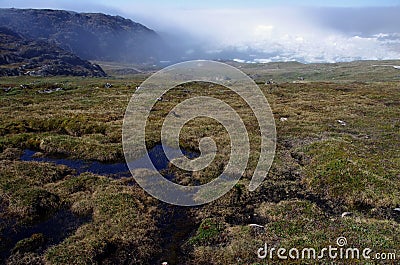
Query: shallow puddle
(118, 170)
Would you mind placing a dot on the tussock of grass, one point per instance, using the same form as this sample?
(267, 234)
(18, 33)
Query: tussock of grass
(88, 147)
(22, 187)
(122, 230)
(207, 233)
(30, 244)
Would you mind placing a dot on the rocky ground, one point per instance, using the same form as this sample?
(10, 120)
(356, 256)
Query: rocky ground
(91, 36)
(22, 56)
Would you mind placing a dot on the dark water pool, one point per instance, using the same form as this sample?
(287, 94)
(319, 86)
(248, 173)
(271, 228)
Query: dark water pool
(118, 170)
(81, 166)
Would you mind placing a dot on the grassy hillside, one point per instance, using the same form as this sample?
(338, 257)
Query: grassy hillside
(361, 71)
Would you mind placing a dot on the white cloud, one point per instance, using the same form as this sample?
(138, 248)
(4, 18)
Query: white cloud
(280, 33)
(239, 60)
(326, 47)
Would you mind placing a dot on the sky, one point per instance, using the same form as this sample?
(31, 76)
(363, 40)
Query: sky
(259, 31)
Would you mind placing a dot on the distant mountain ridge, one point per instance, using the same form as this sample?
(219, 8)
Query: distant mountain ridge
(22, 56)
(91, 36)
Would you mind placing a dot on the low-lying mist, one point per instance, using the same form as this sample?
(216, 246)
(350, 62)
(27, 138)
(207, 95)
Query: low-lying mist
(305, 34)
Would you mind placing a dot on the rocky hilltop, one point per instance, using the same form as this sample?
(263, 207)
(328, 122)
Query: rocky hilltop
(91, 36)
(23, 56)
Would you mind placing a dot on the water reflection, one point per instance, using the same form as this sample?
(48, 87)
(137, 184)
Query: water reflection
(118, 170)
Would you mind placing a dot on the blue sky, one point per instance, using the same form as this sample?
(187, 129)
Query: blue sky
(310, 31)
(182, 4)
(265, 3)
(257, 3)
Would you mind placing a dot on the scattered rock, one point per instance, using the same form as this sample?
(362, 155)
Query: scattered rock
(257, 229)
(23, 86)
(50, 90)
(346, 214)
(257, 226)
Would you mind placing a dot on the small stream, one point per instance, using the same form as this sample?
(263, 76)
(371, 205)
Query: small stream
(116, 170)
(81, 166)
(175, 225)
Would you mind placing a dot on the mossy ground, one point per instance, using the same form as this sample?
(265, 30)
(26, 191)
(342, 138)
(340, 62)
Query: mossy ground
(321, 169)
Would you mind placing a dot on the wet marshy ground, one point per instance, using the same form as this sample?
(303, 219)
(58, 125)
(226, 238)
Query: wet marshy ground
(174, 223)
(54, 230)
(323, 168)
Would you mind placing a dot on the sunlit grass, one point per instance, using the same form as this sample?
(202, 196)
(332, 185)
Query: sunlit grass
(321, 168)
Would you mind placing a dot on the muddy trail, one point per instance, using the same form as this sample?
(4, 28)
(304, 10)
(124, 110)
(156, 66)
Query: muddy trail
(176, 226)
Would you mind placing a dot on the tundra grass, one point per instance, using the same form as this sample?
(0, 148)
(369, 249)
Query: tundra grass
(322, 168)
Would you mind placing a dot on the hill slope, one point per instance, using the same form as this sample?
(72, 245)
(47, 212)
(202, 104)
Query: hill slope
(19, 56)
(92, 36)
